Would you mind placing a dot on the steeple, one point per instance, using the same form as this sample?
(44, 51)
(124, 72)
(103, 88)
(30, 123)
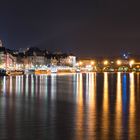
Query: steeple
(0, 43)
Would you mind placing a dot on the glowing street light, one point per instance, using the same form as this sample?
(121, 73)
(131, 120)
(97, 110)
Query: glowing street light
(80, 63)
(119, 62)
(131, 62)
(106, 62)
(92, 62)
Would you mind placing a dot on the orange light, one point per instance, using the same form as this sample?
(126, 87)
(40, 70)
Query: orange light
(92, 62)
(80, 63)
(131, 62)
(119, 62)
(105, 62)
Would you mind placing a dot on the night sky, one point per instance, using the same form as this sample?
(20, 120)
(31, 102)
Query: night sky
(85, 28)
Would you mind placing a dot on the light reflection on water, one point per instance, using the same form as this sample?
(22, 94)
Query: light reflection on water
(77, 106)
(132, 108)
(118, 112)
(105, 110)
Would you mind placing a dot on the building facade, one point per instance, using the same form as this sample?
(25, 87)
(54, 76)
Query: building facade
(7, 59)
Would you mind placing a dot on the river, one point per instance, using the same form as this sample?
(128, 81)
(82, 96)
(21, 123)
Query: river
(91, 106)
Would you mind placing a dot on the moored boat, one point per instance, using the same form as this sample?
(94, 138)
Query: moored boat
(15, 72)
(30, 71)
(42, 72)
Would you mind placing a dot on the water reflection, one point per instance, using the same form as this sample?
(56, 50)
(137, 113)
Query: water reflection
(138, 86)
(79, 89)
(118, 116)
(80, 109)
(105, 111)
(78, 106)
(53, 86)
(91, 124)
(132, 108)
(4, 85)
(27, 84)
(86, 108)
(32, 86)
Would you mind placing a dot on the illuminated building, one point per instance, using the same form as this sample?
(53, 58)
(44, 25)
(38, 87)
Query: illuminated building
(7, 58)
(69, 61)
(61, 59)
(34, 57)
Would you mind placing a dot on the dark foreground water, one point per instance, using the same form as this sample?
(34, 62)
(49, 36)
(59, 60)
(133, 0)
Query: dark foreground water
(70, 107)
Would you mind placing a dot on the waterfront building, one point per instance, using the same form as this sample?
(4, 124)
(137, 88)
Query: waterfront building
(7, 58)
(61, 59)
(34, 57)
(70, 60)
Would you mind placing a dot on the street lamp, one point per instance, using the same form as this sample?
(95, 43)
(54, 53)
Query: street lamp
(119, 62)
(131, 62)
(80, 63)
(92, 62)
(105, 62)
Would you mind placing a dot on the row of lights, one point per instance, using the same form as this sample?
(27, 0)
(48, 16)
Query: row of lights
(106, 62)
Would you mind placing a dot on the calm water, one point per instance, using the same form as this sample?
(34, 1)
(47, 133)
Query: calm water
(70, 107)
